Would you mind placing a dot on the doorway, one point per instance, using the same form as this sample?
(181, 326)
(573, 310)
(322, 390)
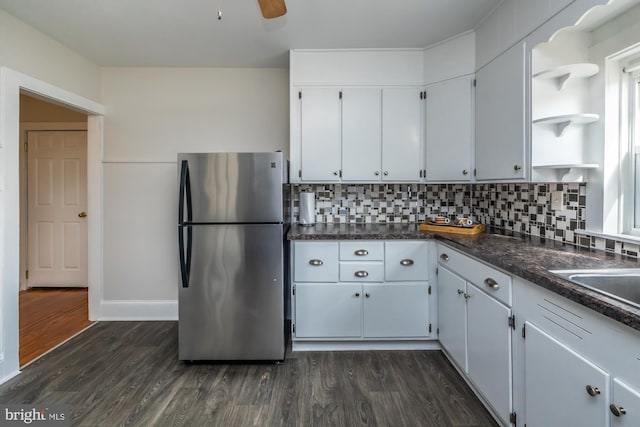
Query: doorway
(53, 300)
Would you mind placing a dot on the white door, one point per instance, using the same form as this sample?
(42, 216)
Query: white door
(361, 134)
(328, 310)
(625, 406)
(449, 114)
(398, 310)
(562, 387)
(489, 349)
(452, 316)
(56, 208)
(320, 134)
(500, 117)
(401, 134)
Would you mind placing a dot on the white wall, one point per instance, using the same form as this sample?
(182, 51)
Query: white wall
(449, 59)
(153, 114)
(24, 49)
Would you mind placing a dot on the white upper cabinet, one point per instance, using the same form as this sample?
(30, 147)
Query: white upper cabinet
(319, 114)
(402, 134)
(448, 122)
(361, 134)
(500, 122)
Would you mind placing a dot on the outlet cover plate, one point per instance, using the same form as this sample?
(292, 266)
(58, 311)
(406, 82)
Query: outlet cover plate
(557, 200)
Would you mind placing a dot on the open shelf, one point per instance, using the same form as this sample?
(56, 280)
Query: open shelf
(560, 75)
(562, 122)
(575, 172)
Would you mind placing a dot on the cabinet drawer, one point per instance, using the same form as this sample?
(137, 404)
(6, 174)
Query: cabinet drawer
(493, 282)
(362, 250)
(315, 262)
(371, 271)
(406, 261)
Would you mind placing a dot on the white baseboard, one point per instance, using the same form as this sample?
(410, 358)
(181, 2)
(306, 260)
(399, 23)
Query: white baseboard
(364, 345)
(8, 377)
(138, 310)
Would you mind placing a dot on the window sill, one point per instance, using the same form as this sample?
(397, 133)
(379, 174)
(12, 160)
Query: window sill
(626, 238)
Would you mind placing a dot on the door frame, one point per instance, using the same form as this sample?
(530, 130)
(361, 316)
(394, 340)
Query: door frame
(11, 83)
(25, 128)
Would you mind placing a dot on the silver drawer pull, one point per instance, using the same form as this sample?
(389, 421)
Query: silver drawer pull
(406, 262)
(361, 273)
(316, 262)
(617, 410)
(592, 391)
(460, 292)
(361, 252)
(444, 257)
(491, 283)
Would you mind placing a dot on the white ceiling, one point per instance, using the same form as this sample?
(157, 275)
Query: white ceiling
(187, 33)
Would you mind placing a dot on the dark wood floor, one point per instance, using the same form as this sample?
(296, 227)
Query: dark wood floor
(127, 373)
(48, 316)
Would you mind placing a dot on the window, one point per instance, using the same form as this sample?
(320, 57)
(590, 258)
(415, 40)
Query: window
(634, 144)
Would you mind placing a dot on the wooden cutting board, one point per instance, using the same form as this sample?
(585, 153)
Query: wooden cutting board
(475, 229)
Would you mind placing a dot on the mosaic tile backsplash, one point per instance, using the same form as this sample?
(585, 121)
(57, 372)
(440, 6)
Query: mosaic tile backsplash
(521, 207)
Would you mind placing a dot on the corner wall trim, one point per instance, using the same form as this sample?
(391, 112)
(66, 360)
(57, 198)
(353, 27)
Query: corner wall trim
(115, 310)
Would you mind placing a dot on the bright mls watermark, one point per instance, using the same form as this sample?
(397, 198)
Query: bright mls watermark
(35, 415)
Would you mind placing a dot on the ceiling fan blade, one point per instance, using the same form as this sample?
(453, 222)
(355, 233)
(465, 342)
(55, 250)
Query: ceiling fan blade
(272, 8)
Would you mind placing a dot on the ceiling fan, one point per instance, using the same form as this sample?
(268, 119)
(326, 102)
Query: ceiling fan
(272, 8)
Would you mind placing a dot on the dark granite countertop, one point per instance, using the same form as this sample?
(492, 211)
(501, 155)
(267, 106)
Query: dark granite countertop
(528, 257)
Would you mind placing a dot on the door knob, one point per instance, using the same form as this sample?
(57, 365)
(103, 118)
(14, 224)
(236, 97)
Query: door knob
(82, 215)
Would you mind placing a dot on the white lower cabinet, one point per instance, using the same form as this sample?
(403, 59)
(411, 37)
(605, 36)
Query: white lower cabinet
(452, 316)
(474, 326)
(381, 292)
(489, 349)
(574, 367)
(396, 310)
(328, 310)
(562, 387)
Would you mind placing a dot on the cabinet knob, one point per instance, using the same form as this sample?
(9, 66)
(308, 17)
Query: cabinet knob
(357, 294)
(406, 262)
(377, 173)
(460, 292)
(465, 172)
(592, 391)
(385, 173)
(367, 295)
(361, 273)
(316, 262)
(618, 411)
(444, 257)
(466, 295)
(335, 173)
(516, 168)
(491, 283)
(361, 252)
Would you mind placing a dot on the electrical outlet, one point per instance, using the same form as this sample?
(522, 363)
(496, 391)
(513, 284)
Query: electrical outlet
(557, 202)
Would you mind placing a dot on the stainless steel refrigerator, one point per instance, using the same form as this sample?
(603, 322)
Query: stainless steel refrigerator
(231, 236)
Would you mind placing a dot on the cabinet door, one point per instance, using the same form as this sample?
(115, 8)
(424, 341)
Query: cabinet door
(328, 310)
(489, 349)
(500, 117)
(361, 134)
(556, 381)
(448, 122)
(398, 310)
(625, 409)
(401, 134)
(320, 134)
(452, 316)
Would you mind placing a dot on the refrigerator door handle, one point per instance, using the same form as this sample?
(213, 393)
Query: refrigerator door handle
(185, 258)
(185, 193)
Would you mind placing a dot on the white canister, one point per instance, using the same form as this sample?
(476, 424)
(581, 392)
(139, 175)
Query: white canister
(307, 208)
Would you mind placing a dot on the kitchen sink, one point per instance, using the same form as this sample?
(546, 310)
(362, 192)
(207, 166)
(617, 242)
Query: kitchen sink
(622, 284)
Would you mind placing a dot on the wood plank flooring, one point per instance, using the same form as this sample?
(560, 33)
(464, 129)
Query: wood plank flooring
(127, 373)
(48, 316)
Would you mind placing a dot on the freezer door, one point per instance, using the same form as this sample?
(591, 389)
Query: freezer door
(234, 187)
(233, 306)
